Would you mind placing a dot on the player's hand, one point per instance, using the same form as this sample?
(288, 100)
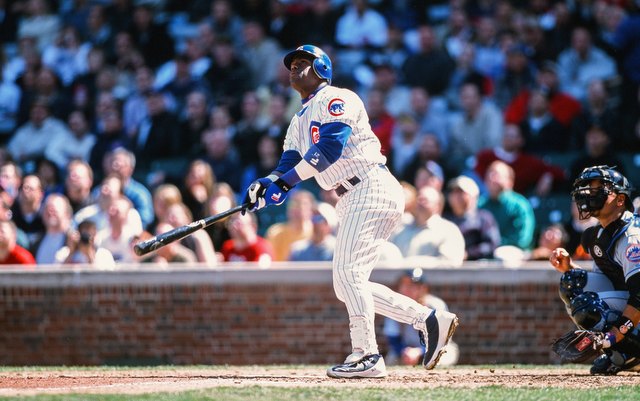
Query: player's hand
(254, 197)
(560, 260)
(276, 193)
(600, 340)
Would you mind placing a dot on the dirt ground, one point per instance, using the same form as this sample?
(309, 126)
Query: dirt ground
(148, 380)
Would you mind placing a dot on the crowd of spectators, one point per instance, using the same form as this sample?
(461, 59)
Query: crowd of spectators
(120, 119)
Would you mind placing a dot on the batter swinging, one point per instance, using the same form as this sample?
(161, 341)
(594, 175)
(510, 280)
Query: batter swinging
(330, 139)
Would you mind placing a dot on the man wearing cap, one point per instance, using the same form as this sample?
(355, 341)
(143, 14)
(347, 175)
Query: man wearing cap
(479, 228)
(321, 245)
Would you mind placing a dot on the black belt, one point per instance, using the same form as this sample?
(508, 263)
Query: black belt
(341, 189)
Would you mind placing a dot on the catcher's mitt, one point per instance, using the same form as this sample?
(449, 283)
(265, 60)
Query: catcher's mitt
(576, 347)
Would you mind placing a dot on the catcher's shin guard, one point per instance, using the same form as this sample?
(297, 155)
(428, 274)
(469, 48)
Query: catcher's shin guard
(572, 284)
(589, 312)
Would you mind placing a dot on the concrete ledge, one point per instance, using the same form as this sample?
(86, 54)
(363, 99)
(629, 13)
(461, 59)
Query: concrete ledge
(251, 273)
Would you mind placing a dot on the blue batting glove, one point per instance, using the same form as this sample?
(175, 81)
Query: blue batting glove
(254, 197)
(276, 193)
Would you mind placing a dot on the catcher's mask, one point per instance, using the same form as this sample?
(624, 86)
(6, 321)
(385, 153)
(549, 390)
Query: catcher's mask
(591, 199)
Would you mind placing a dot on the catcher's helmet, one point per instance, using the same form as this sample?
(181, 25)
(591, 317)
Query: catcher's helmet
(321, 62)
(589, 199)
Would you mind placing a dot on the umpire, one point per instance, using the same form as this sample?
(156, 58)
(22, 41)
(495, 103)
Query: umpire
(606, 300)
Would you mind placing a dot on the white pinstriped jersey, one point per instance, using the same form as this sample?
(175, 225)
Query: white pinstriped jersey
(331, 104)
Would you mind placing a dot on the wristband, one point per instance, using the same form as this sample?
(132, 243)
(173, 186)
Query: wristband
(624, 325)
(609, 340)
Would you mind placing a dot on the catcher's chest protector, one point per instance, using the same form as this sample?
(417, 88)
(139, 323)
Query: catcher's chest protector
(602, 246)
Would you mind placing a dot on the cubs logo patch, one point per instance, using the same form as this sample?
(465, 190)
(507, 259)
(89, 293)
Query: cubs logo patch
(336, 107)
(597, 251)
(633, 253)
(315, 134)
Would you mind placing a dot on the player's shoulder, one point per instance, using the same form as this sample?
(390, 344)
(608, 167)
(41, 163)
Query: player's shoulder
(339, 101)
(633, 229)
(332, 92)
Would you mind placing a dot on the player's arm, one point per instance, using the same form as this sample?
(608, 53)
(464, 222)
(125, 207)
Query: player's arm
(631, 313)
(333, 138)
(294, 168)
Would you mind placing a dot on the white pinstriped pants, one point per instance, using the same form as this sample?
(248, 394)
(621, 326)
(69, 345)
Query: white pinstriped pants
(368, 214)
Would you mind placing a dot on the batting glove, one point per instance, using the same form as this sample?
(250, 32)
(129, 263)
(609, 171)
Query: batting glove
(254, 197)
(276, 192)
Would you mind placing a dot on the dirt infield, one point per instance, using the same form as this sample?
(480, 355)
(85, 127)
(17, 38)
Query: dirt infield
(148, 380)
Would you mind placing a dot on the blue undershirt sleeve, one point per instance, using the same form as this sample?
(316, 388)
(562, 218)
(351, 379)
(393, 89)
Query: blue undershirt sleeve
(333, 138)
(288, 160)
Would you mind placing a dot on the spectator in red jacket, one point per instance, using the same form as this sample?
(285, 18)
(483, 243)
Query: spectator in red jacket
(532, 174)
(381, 121)
(245, 244)
(10, 252)
(561, 105)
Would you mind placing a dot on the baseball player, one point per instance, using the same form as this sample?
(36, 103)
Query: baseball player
(330, 139)
(606, 300)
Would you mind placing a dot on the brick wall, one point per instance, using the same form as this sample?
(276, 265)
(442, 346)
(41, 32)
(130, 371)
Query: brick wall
(243, 315)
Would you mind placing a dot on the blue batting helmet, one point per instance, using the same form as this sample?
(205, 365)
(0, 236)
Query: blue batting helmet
(321, 62)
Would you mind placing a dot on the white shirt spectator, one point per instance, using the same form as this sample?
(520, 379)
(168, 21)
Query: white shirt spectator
(355, 30)
(100, 217)
(438, 243)
(575, 73)
(120, 247)
(70, 147)
(104, 259)
(67, 63)
(43, 27)
(30, 141)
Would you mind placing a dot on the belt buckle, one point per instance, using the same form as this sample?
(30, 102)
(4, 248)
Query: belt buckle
(346, 185)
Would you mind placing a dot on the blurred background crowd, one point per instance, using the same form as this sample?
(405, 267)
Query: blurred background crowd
(120, 119)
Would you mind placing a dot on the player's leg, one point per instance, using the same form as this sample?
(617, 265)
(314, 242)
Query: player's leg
(594, 304)
(368, 214)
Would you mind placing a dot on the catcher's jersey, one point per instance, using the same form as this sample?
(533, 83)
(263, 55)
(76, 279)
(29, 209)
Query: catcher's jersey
(627, 247)
(336, 105)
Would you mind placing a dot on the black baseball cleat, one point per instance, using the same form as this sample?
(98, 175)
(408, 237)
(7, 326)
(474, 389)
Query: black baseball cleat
(369, 366)
(612, 363)
(435, 334)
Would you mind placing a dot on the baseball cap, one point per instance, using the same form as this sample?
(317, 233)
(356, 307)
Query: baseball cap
(466, 184)
(328, 213)
(416, 275)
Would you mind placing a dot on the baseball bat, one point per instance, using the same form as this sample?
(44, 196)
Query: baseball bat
(160, 240)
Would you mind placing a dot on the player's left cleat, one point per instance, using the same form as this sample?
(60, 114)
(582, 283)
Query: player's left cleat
(368, 366)
(435, 334)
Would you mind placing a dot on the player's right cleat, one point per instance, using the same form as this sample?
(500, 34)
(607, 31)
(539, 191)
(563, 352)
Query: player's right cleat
(435, 335)
(368, 366)
(612, 363)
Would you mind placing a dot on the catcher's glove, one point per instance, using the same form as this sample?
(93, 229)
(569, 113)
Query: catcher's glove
(577, 346)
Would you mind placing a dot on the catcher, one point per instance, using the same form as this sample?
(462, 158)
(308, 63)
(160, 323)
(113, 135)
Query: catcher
(604, 303)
